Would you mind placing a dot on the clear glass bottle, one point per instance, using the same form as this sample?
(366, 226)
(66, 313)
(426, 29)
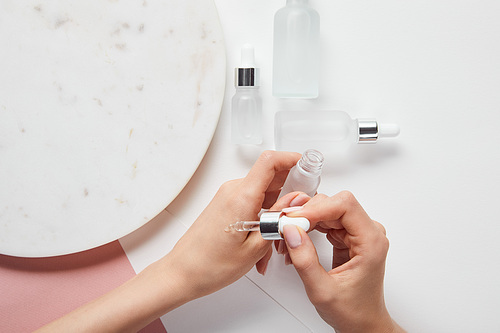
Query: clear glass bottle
(327, 131)
(246, 104)
(296, 51)
(305, 176)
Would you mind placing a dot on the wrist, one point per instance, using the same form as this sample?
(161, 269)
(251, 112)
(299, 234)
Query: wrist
(171, 288)
(383, 324)
(380, 322)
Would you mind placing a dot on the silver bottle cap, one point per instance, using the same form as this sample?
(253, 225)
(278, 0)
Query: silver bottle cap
(247, 77)
(367, 131)
(269, 225)
(247, 74)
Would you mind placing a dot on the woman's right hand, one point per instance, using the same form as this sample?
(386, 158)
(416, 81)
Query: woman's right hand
(349, 297)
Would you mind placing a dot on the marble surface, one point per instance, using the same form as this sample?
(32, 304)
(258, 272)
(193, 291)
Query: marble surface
(106, 110)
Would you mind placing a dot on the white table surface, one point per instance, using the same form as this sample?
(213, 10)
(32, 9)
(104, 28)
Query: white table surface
(433, 67)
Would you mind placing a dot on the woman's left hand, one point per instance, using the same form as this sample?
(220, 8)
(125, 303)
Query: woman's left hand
(209, 258)
(206, 258)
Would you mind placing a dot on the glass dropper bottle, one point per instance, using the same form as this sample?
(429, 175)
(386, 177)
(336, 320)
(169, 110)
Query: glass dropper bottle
(327, 131)
(246, 104)
(305, 176)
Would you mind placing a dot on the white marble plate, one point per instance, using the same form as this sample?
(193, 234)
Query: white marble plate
(106, 110)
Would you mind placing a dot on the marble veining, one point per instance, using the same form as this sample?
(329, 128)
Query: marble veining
(106, 110)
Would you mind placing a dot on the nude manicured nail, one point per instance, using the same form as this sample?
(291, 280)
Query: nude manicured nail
(292, 236)
(292, 209)
(281, 247)
(299, 200)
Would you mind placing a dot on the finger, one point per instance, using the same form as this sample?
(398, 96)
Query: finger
(280, 245)
(261, 265)
(340, 257)
(267, 166)
(341, 252)
(274, 189)
(278, 180)
(305, 259)
(277, 245)
(321, 229)
(380, 226)
(270, 199)
(340, 211)
(256, 246)
(290, 200)
(298, 200)
(337, 238)
(285, 249)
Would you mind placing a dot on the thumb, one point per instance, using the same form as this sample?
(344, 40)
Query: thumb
(304, 258)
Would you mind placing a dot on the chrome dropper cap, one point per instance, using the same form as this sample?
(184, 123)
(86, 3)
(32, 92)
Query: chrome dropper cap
(369, 130)
(270, 225)
(247, 75)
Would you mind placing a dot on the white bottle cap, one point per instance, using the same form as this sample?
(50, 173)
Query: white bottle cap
(247, 56)
(247, 75)
(369, 130)
(388, 130)
(301, 222)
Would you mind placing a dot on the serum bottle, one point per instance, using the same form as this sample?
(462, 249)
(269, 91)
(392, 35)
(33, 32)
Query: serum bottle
(328, 131)
(246, 105)
(296, 51)
(305, 175)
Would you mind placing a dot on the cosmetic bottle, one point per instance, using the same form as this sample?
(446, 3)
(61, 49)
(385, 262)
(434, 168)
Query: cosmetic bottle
(271, 225)
(327, 131)
(246, 105)
(305, 176)
(296, 51)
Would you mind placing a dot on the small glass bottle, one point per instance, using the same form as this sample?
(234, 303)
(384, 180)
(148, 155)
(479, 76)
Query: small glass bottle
(296, 51)
(246, 105)
(327, 131)
(305, 176)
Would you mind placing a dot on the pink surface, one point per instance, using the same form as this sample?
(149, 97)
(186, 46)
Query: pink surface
(35, 291)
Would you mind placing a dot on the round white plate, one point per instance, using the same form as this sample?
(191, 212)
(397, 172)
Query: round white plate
(106, 110)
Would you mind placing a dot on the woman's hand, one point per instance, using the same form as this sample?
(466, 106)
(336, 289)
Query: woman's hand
(349, 297)
(208, 258)
(205, 259)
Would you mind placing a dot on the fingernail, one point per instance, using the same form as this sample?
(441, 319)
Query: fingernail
(265, 269)
(292, 209)
(292, 236)
(281, 247)
(299, 200)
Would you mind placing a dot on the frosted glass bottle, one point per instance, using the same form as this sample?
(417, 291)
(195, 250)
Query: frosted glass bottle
(327, 131)
(296, 51)
(246, 104)
(305, 176)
